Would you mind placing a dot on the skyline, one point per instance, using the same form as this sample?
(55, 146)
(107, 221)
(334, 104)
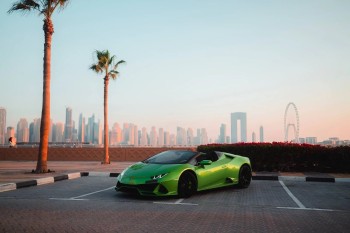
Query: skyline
(188, 63)
(226, 133)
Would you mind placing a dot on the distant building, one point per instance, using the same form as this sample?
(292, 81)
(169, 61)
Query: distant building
(98, 133)
(2, 125)
(116, 135)
(181, 137)
(153, 137)
(222, 136)
(9, 133)
(253, 137)
(34, 130)
(68, 131)
(311, 140)
(57, 132)
(22, 131)
(166, 138)
(81, 128)
(241, 118)
(190, 137)
(204, 137)
(261, 132)
(144, 140)
(161, 137)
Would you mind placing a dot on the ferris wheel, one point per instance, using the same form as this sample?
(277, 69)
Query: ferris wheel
(294, 126)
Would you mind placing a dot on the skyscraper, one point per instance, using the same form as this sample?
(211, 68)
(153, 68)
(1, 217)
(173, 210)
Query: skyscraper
(2, 125)
(161, 137)
(98, 133)
(22, 130)
(58, 132)
(35, 130)
(68, 130)
(222, 136)
(116, 135)
(90, 129)
(181, 137)
(240, 117)
(190, 137)
(204, 137)
(144, 141)
(10, 133)
(253, 137)
(136, 135)
(166, 138)
(261, 134)
(81, 128)
(153, 137)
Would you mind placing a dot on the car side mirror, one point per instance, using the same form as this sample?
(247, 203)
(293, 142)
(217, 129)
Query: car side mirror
(205, 162)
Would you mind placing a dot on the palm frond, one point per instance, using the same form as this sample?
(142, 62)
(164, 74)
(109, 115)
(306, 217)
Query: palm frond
(113, 75)
(24, 6)
(105, 62)
(111, 60)
(118, 63)
(96, 68)
(101, 54)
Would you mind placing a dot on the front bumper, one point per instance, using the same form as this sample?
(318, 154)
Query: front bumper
(150, 188)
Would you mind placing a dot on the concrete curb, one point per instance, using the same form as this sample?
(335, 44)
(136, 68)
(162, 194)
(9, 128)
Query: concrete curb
(40, 181)
(52, 179)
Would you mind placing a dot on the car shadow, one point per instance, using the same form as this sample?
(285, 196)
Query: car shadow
(134, 196)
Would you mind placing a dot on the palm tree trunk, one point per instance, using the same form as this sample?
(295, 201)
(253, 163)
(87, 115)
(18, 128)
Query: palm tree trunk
(45, 113)
(106, 131)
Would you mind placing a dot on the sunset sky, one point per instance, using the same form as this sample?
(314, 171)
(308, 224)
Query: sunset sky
(190, 63)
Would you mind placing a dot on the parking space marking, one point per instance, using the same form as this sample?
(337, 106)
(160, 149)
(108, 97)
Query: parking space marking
(79, 198)
(178, 202)
(297, 208)
(67, 199)
(88, 194)
(301, 206)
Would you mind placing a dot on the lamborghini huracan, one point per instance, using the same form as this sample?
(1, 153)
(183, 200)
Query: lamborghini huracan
(183, 173)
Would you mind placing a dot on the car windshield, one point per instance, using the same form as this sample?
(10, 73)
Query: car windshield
(171, 157)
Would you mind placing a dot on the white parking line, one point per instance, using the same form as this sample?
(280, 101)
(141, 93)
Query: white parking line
(295, 208)
(301, 206)
(78, 198)
(84, 195)
(178, 202)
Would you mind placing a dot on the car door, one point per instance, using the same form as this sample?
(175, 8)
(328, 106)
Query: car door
(210, 176)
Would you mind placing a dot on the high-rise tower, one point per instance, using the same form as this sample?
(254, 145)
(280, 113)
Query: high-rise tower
(261, 134)
(22, 130)
(68, 130)
(222, 136)
(2, 125)
(242, 118)
(81, 128)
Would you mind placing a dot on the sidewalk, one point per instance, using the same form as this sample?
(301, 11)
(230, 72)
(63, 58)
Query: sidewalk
(18, 174)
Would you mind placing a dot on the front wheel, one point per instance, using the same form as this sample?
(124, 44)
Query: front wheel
(187, 185)
(245, 176)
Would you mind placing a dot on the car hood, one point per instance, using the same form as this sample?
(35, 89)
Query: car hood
(149, 169)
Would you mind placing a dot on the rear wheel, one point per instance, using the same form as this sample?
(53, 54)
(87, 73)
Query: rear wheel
(187, 185)
(245, 176)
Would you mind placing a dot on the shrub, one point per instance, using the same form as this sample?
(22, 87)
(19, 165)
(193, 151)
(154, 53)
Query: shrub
(280, 156)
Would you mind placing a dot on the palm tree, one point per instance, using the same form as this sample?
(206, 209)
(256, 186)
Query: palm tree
(45, 8)
(106, 64)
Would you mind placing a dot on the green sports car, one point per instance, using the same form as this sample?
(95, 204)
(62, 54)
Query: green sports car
(183, 173)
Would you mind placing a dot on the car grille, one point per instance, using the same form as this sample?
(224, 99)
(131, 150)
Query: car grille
(141, 188)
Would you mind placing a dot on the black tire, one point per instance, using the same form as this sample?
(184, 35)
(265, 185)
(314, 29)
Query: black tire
(245, 176)
(187, 185)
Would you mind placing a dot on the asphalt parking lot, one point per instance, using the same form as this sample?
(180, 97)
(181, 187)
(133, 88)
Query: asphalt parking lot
(90, 204)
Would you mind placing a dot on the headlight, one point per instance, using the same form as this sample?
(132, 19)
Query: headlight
(159, 176)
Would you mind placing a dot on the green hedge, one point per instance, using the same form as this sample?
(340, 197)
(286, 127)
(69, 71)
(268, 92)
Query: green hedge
(278, 156)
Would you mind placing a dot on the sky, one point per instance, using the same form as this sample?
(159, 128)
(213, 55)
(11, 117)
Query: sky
(189, 63)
